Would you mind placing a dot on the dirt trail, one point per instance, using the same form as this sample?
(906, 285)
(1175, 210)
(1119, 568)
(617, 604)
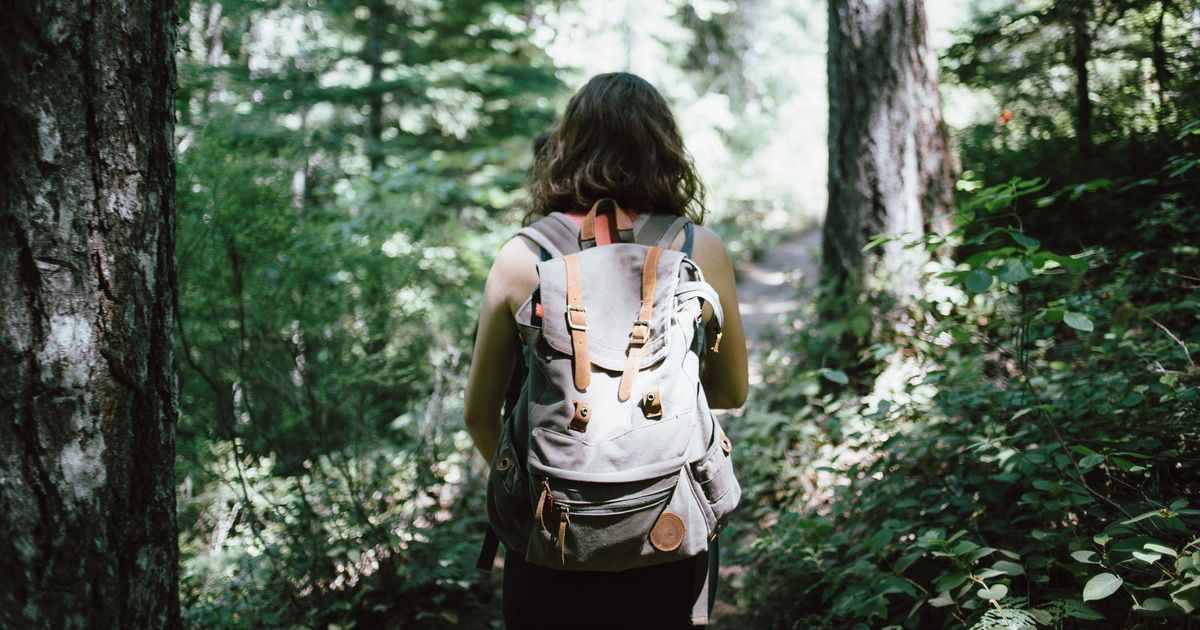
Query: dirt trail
(776, 285)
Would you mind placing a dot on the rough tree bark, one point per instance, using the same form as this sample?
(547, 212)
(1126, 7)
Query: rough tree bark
(890, 165)
(88, 401)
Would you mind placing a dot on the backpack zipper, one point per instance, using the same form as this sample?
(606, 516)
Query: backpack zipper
(614, 507)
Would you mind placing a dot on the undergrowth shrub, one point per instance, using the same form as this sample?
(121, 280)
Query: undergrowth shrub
(1021, 449)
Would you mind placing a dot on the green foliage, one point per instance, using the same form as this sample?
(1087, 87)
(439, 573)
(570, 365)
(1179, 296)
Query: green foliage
(346, 171)
(345, 174)
(1023, 457)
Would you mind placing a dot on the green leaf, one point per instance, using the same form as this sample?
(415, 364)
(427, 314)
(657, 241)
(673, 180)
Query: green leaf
(1011, 568)
(942, 600)
(878, 240)
(950, 581)
(978, 281)
(1085, 555)
(1078, 321)
(1042, 616)
(1091, 460)
(1155, 605)
(1053, 315)
(994, 592)
(1027, 242)
(1101, 586)
(1015, 270)
(1188, 597)
(1163, 549)
(1148, 558)
(860, 325)
(1022, 412)
(837, 376)
(906, 561)
(1145, 515)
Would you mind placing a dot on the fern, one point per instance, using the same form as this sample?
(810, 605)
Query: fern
(1006, 619)
(1062, 609)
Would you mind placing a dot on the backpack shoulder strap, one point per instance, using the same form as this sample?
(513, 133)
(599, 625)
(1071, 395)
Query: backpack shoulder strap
(661, 230)
(554, 233)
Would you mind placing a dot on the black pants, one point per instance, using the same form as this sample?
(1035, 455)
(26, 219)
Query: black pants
(659, 596)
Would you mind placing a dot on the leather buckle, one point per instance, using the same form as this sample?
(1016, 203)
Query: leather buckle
(576, 325)
(640, 326)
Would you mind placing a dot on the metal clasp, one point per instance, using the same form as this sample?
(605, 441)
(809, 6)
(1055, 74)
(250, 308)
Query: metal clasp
(640, 333)
(576, 325)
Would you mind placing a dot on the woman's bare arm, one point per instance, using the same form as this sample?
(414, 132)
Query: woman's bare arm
(513, 275)
(725, 377)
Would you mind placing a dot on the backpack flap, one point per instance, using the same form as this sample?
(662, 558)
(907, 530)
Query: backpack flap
(611, 295)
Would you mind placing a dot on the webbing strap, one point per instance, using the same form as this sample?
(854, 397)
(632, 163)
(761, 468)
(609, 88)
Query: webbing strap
(704, 291)
(659, 229)
(641, 327)
(554, 233)
(704, 583)
(487, 553)
(577, 323)
(540, 239)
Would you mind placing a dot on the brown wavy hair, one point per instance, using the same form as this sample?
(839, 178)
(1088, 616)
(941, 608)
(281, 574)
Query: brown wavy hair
(617, 138)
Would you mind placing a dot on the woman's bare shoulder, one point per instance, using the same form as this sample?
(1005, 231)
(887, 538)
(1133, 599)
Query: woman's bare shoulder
(514, 272)
(708, 250)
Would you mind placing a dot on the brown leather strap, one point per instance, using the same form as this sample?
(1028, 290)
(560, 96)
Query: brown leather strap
(577, 323)
(587, 231)
(543, 498)
(641, 328)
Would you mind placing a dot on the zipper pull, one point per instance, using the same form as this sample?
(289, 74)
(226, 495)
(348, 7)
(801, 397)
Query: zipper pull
(716, 347)
(564, 519)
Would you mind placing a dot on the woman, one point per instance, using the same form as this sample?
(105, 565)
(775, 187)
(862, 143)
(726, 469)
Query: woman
(617, 139)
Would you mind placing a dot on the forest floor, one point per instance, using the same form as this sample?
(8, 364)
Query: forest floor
(768, 289)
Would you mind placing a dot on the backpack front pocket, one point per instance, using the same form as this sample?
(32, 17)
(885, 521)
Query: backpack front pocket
(713, 474)
(633, 525)
(508, 500)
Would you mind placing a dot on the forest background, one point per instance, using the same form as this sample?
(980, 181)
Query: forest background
(983, 413)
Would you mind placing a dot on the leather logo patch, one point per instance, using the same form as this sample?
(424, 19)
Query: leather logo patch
(667, 533)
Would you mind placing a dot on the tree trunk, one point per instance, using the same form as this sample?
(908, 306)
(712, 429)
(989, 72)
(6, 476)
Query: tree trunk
(1081, 52)
(88, 401)
(374, 59)
(890, 165)
(1162, 68)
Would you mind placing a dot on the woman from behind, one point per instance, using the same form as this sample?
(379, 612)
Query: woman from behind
(617, 140)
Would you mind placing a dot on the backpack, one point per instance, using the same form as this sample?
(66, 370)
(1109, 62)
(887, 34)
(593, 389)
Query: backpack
(611, 458)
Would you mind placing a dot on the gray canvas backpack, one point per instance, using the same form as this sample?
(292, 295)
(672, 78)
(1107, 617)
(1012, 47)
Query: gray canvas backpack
(611, 458)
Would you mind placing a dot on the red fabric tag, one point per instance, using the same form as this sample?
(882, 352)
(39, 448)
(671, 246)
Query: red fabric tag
(538, 310)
